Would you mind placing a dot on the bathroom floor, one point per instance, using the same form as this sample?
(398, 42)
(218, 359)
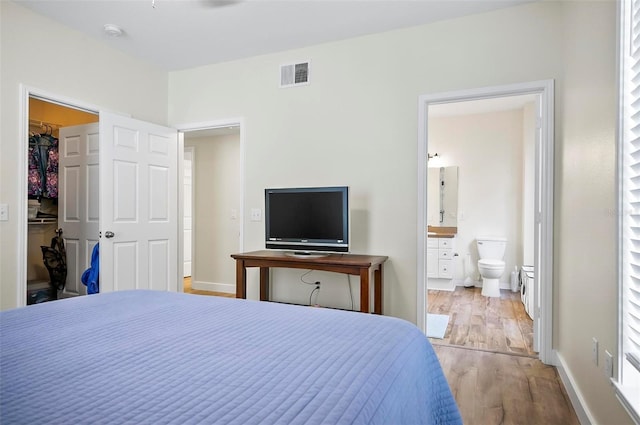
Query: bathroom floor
(492, 324)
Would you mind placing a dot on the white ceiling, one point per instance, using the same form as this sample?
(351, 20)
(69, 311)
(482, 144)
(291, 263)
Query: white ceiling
(179, 34)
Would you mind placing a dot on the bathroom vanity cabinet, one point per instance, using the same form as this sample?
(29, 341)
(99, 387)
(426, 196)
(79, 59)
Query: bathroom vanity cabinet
(440, 257)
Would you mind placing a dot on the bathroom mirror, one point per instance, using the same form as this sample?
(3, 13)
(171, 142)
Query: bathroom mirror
(442, 197)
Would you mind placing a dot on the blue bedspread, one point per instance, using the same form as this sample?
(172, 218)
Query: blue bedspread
(146, 357)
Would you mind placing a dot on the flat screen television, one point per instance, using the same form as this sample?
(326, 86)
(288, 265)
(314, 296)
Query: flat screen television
(307, 220)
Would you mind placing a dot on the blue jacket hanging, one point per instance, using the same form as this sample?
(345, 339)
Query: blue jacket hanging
(91, 277)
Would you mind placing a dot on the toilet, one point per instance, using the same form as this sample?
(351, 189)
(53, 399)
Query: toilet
(491, 265)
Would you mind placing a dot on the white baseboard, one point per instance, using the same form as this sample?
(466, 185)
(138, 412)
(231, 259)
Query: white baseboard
(577, 400)
(227, 288)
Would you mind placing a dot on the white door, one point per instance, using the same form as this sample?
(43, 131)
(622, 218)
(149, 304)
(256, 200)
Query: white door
(188, 209)
(78, 208)
(138, 205)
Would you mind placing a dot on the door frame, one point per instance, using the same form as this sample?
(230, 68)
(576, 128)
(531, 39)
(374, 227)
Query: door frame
(207, 125)
(192, 150)
(23, 169)
(544, 276)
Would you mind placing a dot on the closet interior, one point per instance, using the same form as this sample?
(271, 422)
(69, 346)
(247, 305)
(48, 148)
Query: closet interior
(45, 247)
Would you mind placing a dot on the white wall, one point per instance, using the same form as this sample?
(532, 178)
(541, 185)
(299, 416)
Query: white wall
(585, 220)
(216, 233)
(45, 55)
(487, 148)
(356, 123)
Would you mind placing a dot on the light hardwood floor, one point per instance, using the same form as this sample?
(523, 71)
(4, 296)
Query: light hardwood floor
(494, 388)
(485, 323)
(487, 356)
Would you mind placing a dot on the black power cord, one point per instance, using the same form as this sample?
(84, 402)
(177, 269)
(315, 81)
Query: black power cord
(315, 290)
(308, 283)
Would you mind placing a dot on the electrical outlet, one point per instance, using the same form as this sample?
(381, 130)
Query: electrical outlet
(256, 214)
(608, 364)
(594, 351)
(4, 212)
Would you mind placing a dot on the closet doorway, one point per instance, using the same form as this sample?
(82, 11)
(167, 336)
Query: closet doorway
(47, 191)
(136, 206)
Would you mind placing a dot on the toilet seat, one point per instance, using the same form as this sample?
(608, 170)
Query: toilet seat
(491, 264)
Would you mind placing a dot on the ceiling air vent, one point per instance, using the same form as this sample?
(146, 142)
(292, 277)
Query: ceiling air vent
(295, 74)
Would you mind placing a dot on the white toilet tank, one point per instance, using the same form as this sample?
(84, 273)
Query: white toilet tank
(491, 247)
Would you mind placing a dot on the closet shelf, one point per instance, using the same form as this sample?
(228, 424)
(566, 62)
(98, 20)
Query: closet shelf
(51, 220)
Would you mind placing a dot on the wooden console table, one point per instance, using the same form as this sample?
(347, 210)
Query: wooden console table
(358, 265)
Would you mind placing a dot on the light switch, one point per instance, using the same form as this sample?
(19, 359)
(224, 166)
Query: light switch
(256, 214)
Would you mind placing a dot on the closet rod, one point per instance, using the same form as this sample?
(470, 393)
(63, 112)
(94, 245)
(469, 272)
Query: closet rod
(43, 124)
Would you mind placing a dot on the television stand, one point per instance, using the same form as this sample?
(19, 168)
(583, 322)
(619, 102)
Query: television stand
(352, 264)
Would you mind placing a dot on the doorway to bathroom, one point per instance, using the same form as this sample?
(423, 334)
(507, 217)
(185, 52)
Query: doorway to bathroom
(486, 170)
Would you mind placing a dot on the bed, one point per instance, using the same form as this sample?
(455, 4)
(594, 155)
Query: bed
(151, 357)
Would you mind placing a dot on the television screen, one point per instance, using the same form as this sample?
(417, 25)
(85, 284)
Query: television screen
(307, 219)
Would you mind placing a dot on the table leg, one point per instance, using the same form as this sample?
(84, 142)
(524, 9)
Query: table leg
(264, 283)
(241, 279)
(378, 289)
(364, 290)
